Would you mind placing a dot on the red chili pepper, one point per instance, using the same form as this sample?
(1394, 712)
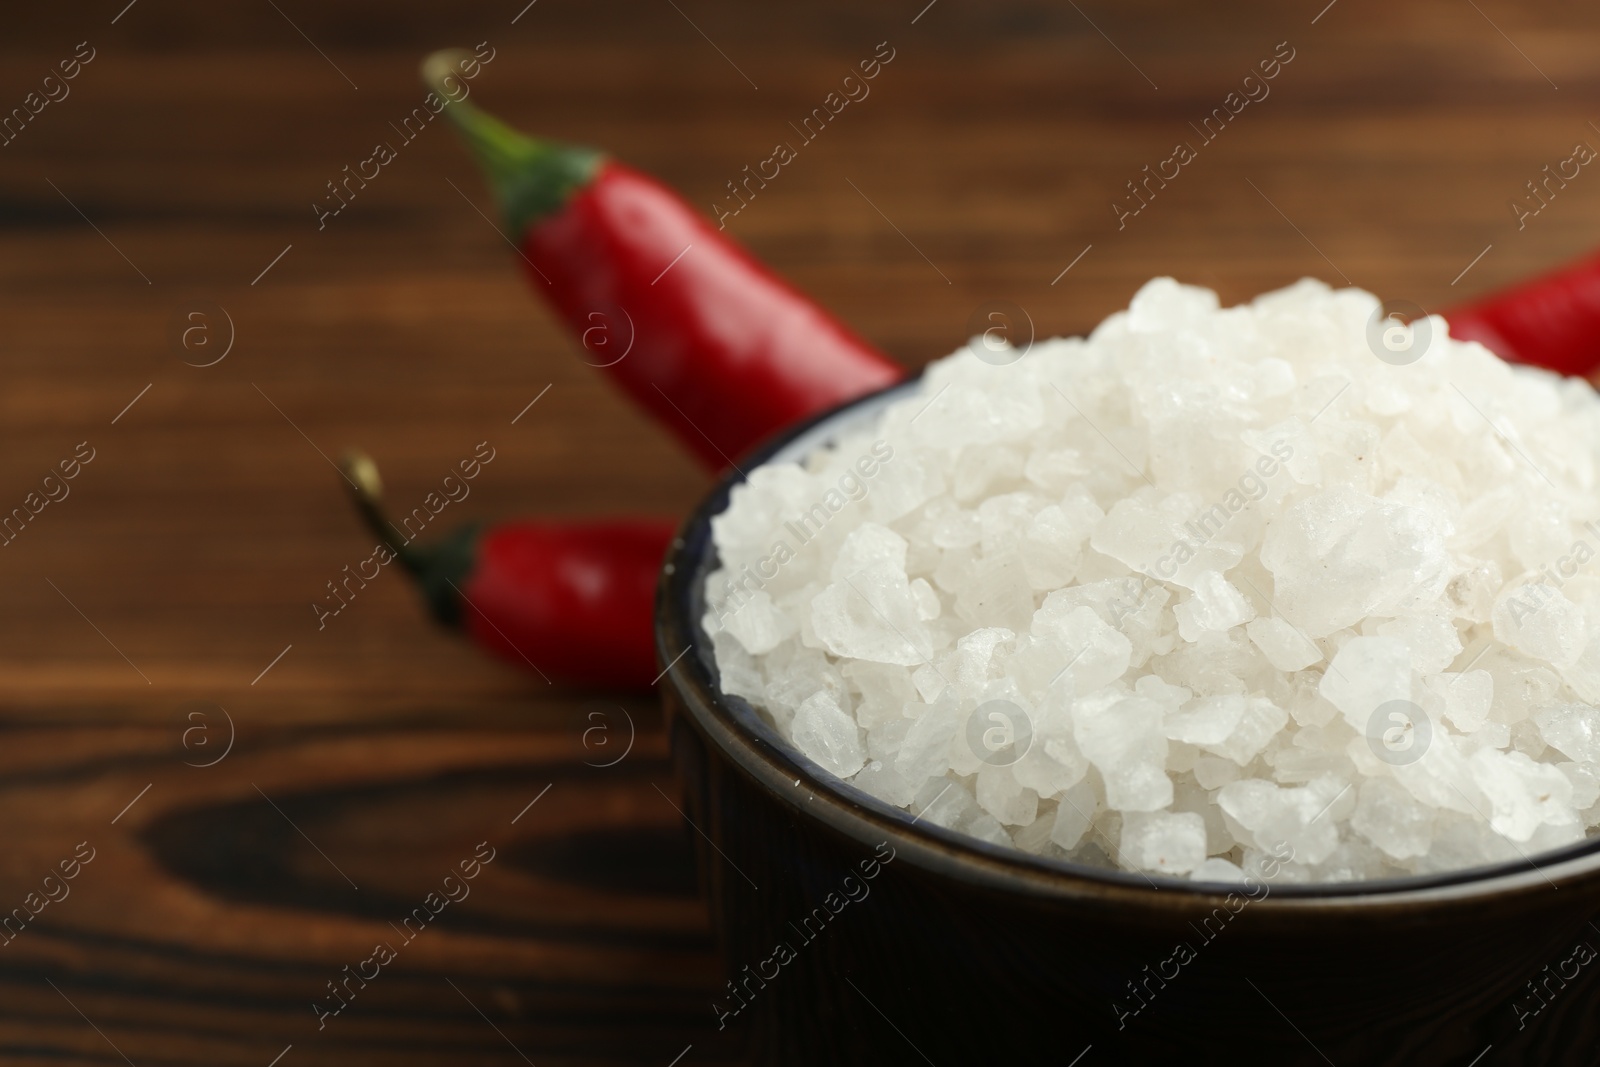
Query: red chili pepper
(685, 321)
(571, 600)
(1552, 321)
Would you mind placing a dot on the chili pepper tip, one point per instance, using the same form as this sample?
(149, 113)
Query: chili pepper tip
(439, 568)
(362, 473)
(435, 65)
(366, 489)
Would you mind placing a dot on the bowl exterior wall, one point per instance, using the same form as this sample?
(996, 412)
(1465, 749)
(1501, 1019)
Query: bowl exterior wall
(910, 965)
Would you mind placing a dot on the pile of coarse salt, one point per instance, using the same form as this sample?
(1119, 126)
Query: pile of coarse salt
(1210, 587)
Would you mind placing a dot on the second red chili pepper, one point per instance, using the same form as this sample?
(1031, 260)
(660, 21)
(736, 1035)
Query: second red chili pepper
(570, 600)
(1552, 321)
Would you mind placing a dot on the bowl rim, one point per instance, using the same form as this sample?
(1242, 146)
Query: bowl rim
(765, 757)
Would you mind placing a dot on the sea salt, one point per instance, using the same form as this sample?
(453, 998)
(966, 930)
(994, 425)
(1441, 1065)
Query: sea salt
(1208, 588)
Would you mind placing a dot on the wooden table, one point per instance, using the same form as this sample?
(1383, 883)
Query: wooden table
(372, 755)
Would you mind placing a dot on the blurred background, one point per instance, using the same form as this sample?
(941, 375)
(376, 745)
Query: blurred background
(264, 797)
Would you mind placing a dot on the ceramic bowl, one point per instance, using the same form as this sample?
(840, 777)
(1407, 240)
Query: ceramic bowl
(854, 933)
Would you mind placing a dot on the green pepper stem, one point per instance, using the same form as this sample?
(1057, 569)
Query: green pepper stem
(531, 177)
(366, 490)
(440, 567)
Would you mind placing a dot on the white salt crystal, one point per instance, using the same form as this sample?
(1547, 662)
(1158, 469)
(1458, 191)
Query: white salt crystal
(1125, 742)
(1470, 595)
(956, 528)
(1053, 762)
(738, 669)
(1521, 685)
(1465, 841)
(1583, 674)
(1051, 548)
(1055, 469)
(1163, 842)
(1308, 707)
(1149, 533)
(884, 690)
(1130, 605)
(930, 684)
(926, 749)
(1483, 517)
(1189, 796)
(1207, 721)
(869, 547)
(1265, 815)
(871, 616)
(1489, 735)
(1540, 622)
(1004, 519)
(980, 469)
(902, 484)
(828, 735)
(1162, 305)
(1342, 555)
(1393, 819)
(1294, 437)
(1257, 726)
(1539, 532)
(985, 827)
(1352, 861)
(926, 600)
(944, 803)
(1136, 531)
(885, 739)
(1366, 673)
(1214, 605)
(1467, 697)
(1180, 759)
(1552, 836)
(759, 625)
(1523, 794)
(996, 593)
(794, 674)
(1092, 653)
(1285, 647)
(1001, 795)
(1082, 512)
(1574, 729)
(1585, 779)
(974, 656)
(1213, 772)
(1441, 777)
(1035, 837)
(1171, 697)
(1431, 639)
(752, 517)
(881, 780)
(1217, 869)
(1074, 816)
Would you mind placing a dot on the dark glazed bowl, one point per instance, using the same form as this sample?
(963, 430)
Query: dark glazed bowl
(854, 934)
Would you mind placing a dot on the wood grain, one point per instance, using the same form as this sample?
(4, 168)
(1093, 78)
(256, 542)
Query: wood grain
(188, 156)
